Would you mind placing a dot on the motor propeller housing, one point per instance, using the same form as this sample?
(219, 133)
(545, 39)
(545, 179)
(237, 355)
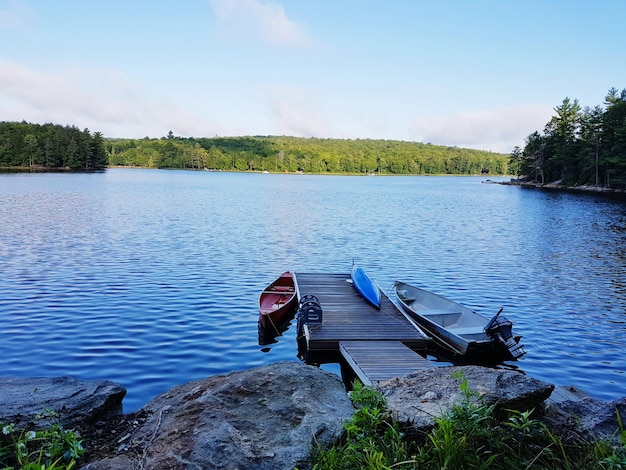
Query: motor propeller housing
(500, 329)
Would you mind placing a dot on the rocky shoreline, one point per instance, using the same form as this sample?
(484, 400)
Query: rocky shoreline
(268, 417)
(557, 185)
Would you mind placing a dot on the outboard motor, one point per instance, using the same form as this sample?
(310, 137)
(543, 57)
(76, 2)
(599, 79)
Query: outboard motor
(501, 329)
(309, 311)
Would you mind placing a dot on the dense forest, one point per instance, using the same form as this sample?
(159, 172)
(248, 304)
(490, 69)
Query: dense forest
(309, 155)
(578, 146)
(38, 146)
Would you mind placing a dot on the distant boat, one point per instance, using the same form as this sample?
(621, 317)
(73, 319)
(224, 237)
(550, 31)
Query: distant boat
(277, 300)
(366, 287)
(457, 328)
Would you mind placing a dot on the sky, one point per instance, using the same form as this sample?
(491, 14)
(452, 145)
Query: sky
(469, 73)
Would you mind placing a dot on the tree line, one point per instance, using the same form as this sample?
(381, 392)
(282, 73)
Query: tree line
(29, 145)
(578, 146)
(309, 155)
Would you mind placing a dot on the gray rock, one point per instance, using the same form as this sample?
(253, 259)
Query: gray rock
(120, 462)
(77, 402)
(587, 419)
(264, 418)
(424, 395)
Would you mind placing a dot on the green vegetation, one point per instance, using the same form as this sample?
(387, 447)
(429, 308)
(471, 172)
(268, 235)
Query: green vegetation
(52, 448)
(579, 146)
(372, 439)
(312, 155)
(469, 436)
(37, 146)
(50, 146)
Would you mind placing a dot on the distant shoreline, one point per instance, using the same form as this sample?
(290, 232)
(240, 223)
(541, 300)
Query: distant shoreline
(26, 169)
(556, 185)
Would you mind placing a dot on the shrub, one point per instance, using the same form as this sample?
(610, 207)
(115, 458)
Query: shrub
(468, 436)
(52, 448)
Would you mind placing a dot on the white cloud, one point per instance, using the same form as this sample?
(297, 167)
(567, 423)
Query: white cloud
(499, 130)
(296, 113)
(259, 20)
(98, 99)
(14, 14)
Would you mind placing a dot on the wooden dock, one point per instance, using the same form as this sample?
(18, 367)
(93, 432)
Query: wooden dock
(377, 361)
(377, 344)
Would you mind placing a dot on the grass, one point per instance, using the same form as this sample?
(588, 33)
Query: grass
(50, 448)
(469, 436)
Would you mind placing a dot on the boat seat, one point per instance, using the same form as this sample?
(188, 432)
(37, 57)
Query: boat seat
(442, 317)
(280, 292)
(468, 330)
(442, 311)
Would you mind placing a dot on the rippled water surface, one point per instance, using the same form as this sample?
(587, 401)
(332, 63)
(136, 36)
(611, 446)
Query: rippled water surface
(151, 278)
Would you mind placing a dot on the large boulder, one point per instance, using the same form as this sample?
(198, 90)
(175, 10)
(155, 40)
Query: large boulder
(263, 418)
(424, 395)
(587, 419)
(74, 402)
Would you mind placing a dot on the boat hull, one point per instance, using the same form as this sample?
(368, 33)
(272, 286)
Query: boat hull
(277, 301)
(453, 327)
(366, 287)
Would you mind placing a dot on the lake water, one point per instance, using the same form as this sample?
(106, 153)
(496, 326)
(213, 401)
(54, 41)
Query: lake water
(151, 278)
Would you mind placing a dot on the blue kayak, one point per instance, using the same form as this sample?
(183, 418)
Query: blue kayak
(366, 287)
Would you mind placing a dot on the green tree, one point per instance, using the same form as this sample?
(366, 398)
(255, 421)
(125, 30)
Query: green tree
(614, 138)
(99, 154)
(585, 146)
(72, 156)
(591, 128)
(32, 149)
(170, 154)
(534, 157)
(562, 140)
(516, 161)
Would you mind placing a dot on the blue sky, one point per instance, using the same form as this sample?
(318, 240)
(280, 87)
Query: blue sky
(471, 73)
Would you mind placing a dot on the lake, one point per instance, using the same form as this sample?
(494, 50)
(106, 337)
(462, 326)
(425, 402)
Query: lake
(151, 278)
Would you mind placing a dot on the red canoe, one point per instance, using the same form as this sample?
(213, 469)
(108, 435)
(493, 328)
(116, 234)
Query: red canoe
(277, 300)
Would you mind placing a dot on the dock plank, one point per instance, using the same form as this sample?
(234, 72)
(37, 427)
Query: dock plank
(348, 317)
(377, 361)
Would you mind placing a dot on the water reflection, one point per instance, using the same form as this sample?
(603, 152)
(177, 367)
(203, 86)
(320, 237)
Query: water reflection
(151, 278)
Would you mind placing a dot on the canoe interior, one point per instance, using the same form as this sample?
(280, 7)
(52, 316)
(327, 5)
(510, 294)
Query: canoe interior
(277, 300)
(273, 300)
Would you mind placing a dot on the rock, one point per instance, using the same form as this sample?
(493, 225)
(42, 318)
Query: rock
(264, 418)
(120, 462)
(426, 394)
(587, 419)
(76, 402)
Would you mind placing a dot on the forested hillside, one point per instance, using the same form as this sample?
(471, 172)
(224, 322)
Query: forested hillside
(28, 145)
(50, 146)
(310, 155)
(578, 146)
